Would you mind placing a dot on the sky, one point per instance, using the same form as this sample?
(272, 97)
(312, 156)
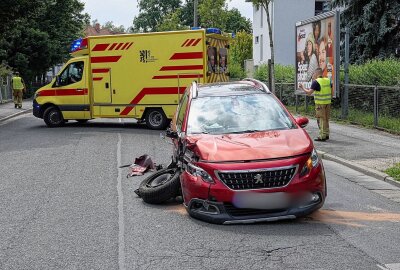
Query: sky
(122, 12)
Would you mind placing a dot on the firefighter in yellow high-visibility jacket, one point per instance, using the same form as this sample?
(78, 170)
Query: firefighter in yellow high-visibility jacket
(18, 86)
(322, 89)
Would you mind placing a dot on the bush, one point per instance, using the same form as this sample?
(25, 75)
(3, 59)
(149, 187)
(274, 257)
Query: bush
(375, 72)
(236, 71)
(261, 73)
(283, 73)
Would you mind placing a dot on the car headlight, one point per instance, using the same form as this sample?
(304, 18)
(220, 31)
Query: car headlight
(196, 171)
(311, 163)
(36, 95)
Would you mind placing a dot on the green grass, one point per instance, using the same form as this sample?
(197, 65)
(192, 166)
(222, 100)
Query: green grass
(365, 119)
(394, 171)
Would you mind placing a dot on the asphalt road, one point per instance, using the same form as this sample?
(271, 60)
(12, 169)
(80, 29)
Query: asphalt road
(65, 204)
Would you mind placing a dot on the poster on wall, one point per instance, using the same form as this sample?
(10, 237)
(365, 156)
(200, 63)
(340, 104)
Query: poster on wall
(316, 44)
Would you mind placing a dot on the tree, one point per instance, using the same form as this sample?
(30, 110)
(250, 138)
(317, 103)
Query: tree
(374, 27)
(152, 13)
(241, 47)
(235, 22)
(4, 70)
(172, 22)
(265, 4)
(112, 27)
(213, 13)
(187, 14)
(36, 34)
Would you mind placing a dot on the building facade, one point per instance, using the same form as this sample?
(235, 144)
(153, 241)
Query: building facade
(284, 14)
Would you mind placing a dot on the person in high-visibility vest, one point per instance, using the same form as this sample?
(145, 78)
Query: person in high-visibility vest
(322, 89)
(18, 86)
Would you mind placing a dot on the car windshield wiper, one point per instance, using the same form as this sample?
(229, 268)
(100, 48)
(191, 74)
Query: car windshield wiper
(246, 131)
(200, 132)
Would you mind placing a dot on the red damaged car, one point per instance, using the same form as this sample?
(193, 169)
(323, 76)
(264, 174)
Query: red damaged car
(243, 157)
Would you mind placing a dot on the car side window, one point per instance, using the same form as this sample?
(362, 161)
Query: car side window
(71, 74)
(181, 112)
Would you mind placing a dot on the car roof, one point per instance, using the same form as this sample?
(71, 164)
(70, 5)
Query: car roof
(229, 88)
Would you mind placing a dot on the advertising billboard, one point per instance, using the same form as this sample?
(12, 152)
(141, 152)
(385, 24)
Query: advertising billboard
(316, 47)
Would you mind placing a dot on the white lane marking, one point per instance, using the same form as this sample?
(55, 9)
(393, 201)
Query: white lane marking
(121, 232)
(390, 266)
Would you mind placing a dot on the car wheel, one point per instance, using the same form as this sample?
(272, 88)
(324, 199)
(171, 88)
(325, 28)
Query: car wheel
(156, 119)
(160, 186)
(53, 117)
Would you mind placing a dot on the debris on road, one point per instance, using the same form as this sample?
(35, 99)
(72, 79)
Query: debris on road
(141, 165)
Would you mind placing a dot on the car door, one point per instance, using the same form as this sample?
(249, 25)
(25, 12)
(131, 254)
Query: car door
(72, 92)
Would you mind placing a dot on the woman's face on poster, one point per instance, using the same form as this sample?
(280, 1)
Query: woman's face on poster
(317, 31)
(309, 48)
(322, 55)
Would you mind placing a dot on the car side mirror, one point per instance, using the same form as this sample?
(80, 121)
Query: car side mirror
(171, 134)
(302, 121)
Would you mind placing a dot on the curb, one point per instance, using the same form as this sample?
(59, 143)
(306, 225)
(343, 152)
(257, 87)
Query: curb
(360, 168)
(15, 115)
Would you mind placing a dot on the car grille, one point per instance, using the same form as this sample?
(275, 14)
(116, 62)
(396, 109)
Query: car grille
(271, 178)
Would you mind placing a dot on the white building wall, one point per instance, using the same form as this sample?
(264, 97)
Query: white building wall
(284, 15)
(261, 51)
(287, 13)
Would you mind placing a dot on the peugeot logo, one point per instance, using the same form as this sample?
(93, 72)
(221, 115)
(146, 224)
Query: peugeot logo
(258, 179)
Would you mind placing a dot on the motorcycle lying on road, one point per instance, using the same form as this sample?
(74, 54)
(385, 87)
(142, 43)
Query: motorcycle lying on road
(163, 184)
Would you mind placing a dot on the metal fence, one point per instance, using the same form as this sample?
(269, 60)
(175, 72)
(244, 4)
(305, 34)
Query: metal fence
(375, 106)
(5, 89)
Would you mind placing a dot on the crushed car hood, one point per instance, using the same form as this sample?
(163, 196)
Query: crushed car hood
(250, 146)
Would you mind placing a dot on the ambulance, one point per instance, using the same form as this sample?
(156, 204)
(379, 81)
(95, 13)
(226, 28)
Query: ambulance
(140, 76)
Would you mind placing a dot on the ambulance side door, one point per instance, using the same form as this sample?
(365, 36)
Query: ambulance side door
(102, 86)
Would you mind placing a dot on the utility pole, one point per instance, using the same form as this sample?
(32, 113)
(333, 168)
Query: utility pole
(345, 98)
(195, 2)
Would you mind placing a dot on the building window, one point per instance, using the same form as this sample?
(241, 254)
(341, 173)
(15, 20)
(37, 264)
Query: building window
(256, 40)
(261, 18)
(261, 48)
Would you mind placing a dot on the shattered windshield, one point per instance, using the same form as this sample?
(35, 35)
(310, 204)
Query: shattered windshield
(237, 114)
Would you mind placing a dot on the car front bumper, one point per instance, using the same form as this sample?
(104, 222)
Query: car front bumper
(36, 109)
(220, 213)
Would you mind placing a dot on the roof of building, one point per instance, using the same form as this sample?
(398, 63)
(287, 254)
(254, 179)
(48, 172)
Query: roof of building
(98, 31)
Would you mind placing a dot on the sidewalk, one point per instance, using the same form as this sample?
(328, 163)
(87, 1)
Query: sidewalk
(365, 150)
(8, 111)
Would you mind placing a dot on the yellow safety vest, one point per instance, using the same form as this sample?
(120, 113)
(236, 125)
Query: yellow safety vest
(324, 96)
(17, 83)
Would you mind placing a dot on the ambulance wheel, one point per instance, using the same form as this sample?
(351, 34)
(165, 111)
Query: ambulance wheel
(160, 186)
(53, 117)
(156, 119)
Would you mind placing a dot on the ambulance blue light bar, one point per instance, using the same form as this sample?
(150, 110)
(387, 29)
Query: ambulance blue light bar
(78, 44)
(209, 30)
(213, 31)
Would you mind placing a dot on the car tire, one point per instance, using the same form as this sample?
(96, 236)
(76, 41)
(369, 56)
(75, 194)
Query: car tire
(53, 117)
(160, 186)
(156, 119)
